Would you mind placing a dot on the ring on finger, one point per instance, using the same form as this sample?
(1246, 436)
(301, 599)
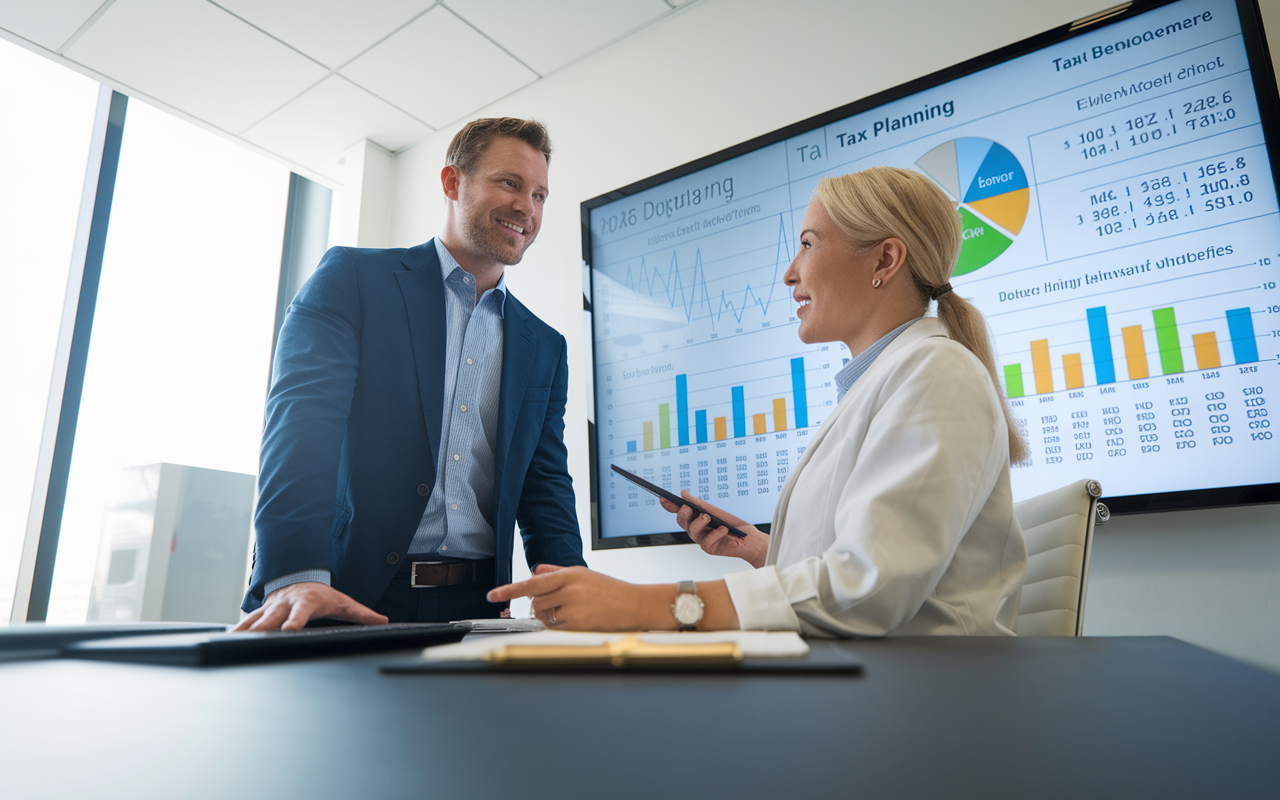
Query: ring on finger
(554, 621)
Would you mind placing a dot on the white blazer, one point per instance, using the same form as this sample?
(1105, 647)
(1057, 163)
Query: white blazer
(898, 519)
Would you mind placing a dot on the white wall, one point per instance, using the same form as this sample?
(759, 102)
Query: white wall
(723, 71)
(363, 217)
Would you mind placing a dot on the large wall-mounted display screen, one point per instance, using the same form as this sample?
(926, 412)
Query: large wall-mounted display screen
(1120, 233)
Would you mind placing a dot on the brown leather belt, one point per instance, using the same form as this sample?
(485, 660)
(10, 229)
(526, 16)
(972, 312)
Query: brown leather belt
(430, 574)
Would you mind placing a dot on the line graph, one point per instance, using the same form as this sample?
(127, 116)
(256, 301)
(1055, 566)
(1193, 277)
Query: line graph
(701, 382)
(697, 298)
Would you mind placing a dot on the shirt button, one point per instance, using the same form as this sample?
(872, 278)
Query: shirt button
(455, 506)
(444, 547)
(464, 408)
(424, 489)
(469, 361)
(392, 558)
(455, 456)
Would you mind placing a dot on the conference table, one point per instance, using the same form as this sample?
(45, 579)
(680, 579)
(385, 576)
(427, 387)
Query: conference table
(937, 718)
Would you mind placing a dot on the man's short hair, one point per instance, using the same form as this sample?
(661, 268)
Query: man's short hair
(469, 144)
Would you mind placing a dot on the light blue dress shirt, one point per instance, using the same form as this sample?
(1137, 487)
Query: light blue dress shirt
(862, 362)
(458, 521)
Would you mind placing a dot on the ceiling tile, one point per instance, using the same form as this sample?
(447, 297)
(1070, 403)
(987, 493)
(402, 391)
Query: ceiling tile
(47, 24)
(197, 58)
(330, 117)
(330, 31)
(551, 33)
(438, 69)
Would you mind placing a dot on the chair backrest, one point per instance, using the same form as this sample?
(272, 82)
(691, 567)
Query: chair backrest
(1058, 527)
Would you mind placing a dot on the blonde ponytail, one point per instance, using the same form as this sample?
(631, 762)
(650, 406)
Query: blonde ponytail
(966, 325)
(885, 202)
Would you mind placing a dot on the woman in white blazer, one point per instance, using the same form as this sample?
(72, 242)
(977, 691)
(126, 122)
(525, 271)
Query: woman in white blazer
(899, 518)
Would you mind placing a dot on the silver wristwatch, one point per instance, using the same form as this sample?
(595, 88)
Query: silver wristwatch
(687, 607)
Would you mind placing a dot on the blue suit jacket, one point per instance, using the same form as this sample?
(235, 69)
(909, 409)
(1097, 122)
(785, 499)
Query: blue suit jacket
(353, 427)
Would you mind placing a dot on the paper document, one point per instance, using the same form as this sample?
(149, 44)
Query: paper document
(746, 644)
(505, 625)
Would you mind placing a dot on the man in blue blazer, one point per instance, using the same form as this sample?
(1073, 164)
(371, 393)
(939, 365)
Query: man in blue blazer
(416, 414)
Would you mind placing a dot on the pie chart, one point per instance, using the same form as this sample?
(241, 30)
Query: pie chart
(990, 189)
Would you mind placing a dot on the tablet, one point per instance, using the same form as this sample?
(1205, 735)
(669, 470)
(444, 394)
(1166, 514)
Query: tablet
(675, 498)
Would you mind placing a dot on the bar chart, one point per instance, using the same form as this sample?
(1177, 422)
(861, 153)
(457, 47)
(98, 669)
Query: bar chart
(1171, 345)
(1164, 381)
(724, 421)
(775, 419)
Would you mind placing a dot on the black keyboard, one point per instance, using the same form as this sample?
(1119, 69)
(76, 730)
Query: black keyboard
(40, 640)
(221, 649)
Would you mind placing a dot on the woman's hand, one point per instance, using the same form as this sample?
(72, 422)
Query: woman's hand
(577, 599)
(717, 540)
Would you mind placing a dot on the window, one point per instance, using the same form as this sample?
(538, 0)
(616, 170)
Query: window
(48, 114)
(177, 368)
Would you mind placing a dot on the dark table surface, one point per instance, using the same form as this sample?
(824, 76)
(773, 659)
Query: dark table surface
(935, 718)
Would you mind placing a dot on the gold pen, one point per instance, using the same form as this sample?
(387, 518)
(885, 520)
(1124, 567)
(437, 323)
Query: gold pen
(628, 650)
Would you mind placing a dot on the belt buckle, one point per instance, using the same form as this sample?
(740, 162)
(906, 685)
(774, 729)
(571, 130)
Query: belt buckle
(413, 575)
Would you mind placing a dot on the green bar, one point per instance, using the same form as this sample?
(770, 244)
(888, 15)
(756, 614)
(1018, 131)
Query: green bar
(664, 425)
(1167, 338)
(1013, 379)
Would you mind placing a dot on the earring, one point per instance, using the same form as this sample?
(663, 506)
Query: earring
(875, 283)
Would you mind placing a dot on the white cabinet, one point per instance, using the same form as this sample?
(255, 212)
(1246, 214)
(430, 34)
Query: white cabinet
(174, 546)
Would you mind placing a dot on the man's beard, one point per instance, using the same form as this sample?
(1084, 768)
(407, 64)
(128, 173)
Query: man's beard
(483, 239)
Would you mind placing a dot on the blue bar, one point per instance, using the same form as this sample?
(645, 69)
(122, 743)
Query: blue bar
(739, 413)
(798, 397)
(682, 409)
(1243, 342)
(631, 447)
(1104, 366)
(701, 425)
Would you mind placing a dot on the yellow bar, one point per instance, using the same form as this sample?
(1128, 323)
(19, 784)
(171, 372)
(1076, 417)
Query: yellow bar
(759, 420)
(1040, 365)
(780, 414)
(648, 436)
(721, 432)
(1135, 352)
(1074, 371)
(1207, 355)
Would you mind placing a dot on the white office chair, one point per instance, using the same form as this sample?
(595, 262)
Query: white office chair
(1058, 527)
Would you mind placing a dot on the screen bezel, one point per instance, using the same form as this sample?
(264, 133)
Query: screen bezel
(1264, 85)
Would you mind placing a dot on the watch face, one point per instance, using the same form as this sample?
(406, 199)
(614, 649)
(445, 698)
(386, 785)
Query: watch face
(687, 609)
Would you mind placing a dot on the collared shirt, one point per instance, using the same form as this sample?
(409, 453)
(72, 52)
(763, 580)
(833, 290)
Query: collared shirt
(862, 362)
(458, 521)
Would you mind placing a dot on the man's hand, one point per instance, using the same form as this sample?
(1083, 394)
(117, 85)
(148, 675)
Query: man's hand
(291, 607)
